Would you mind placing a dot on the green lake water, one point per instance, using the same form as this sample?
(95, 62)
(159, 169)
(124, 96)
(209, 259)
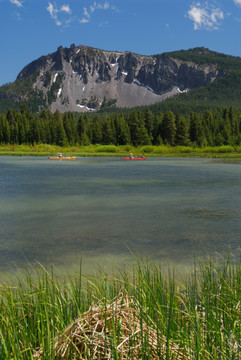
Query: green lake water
(102, 209)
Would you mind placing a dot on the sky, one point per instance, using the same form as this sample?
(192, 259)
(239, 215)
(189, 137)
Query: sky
(32, 28)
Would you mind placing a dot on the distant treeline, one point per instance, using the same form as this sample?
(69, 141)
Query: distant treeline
(210, 128)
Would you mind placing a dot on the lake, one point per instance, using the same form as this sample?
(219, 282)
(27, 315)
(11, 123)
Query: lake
(104, 209)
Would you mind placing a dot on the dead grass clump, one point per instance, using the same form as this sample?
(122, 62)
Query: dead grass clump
(117, 330)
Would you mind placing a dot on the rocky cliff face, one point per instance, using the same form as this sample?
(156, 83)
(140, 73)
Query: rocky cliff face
(81, 78)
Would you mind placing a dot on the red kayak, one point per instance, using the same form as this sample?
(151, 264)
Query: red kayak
(134, 158)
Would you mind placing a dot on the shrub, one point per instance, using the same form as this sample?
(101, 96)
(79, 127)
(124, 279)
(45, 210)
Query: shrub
(126, 148)
(148, 149)
(106, 149)
(184, 149)
(218, 149)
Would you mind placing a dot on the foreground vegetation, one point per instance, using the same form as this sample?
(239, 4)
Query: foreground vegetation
(159, 314)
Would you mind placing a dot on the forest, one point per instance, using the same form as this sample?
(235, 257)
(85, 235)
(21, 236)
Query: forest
(137, 127)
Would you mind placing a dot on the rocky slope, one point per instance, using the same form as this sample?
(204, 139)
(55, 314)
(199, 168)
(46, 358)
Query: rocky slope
(81, 78)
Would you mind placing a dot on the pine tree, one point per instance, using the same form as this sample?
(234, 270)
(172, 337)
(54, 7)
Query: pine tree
(52, 130)
(219, 139)
(96, 131)
(35, 131)
(14, 133)
(138, 132)
(11, 114)
(81, 127)
(82, 130)
(234, 125)
(70, 128)
(149, 123)
(19, 129)
(43, 131)
(21, 133)
(157, 131)
(227, 129)
(6, 132)
(210, 126)
(61, 138)
(108, 132)
(182, 131)
(122, 130)
(169, 128)
(26, 125)
(25, 110)
(133, 123)
(3, 120)
(196, 129)
(142, 137)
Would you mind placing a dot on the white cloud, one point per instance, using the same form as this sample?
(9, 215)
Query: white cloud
(52, 10)
(237, 2)
(216, 15)
(60, 12)
(84, 21)
(99, 6)
(104, 6)
(205, 16)
(114, 8)
(55, 12)
(66, 9)
(94, 7)
(86, 14)
(104, 23)
(16, 2)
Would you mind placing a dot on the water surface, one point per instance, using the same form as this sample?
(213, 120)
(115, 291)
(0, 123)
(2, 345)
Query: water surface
(98, 208)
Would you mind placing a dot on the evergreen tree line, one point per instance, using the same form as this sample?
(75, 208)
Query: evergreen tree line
(211, 128)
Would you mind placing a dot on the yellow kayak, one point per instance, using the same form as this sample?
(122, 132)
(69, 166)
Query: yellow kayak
(62, 157)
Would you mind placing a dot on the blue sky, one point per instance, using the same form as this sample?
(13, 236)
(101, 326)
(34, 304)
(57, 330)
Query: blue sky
(32, 28)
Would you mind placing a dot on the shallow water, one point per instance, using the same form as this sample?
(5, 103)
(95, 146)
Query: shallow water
(102, 209)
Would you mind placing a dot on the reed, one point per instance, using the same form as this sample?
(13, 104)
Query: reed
(139, 312)
(120, 150)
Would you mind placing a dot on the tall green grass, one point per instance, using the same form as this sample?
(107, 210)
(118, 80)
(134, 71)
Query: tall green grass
(199, 311)
(120, 150)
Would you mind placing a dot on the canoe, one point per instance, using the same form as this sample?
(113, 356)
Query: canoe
(134, 158)
(62, 158)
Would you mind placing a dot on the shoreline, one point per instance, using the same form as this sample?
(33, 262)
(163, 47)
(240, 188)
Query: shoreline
(150, 151)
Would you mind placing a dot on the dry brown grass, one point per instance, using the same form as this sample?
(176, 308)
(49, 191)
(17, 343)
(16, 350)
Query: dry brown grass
(116, 330)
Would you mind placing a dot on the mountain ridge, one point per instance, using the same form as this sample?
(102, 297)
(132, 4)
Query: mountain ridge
(82, 78)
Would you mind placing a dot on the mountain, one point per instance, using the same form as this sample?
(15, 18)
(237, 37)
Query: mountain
(82, 78)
